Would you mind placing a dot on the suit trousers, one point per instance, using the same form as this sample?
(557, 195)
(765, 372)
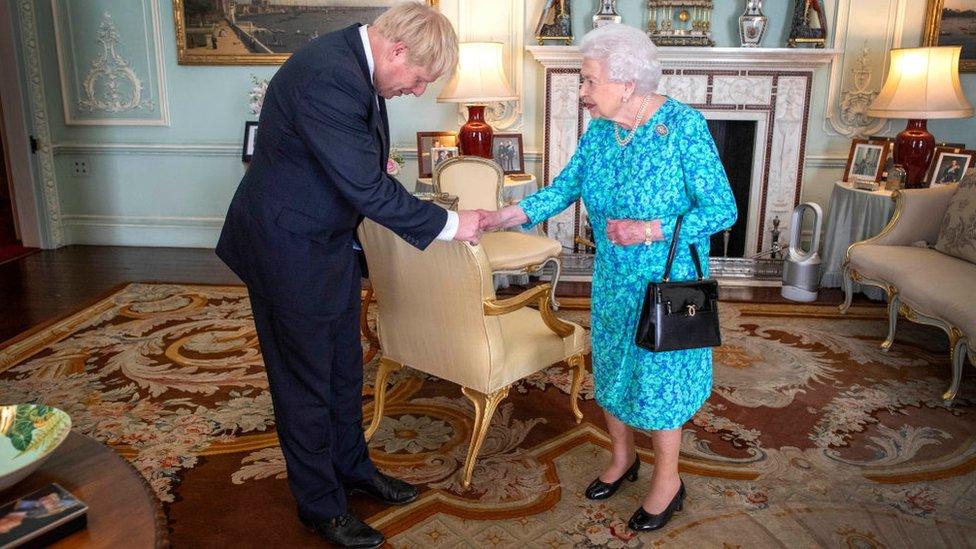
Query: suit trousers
(315, 372)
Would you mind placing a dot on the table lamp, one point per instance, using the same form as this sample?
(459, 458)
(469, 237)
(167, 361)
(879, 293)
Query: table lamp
(922, 84)
(478, 81)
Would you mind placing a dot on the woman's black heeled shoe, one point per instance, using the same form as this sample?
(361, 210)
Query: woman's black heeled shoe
(602, 490)
(642, 521)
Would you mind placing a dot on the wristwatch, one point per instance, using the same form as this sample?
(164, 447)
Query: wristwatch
(648, 234)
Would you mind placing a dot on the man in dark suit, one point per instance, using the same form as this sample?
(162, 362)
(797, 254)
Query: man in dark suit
(318, 168)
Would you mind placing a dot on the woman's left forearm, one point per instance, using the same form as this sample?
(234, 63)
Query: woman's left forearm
(504, 218)
(626, 232)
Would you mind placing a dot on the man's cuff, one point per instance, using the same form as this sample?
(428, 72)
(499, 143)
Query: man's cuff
(450, 228)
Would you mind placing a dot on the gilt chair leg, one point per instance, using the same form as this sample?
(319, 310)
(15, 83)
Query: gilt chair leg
(848, 289)
(484, 409)
(957, 355)
(386, 368)
(555, 280)
(578, 366)
(893, 305)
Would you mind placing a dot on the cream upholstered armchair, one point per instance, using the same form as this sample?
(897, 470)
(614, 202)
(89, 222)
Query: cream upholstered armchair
(437, 313)
(477, 182)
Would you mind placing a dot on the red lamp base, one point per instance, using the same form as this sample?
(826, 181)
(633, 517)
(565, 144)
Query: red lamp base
(913, 151)
(476, 134)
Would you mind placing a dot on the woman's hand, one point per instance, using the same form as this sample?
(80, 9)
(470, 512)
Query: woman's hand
(508, 216)
(627, 232)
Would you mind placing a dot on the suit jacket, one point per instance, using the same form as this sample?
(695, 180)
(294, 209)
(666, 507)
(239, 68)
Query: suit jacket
(319, 166)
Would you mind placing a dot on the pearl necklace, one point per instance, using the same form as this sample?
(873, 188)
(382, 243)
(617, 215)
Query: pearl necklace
(623, 141)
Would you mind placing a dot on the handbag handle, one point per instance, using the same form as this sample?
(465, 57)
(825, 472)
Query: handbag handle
(694, 255)
(674, 247)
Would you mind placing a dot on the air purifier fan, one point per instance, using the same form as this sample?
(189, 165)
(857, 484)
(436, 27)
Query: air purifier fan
(801, 269)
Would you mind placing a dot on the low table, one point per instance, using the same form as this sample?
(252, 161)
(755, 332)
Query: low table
(122, 509)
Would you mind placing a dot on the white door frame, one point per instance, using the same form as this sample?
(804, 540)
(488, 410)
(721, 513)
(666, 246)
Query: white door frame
(17, 137)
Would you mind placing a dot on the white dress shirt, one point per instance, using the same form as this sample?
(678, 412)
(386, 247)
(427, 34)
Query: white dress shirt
(451, 227)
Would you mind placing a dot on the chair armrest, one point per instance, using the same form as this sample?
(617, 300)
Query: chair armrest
(539, 295)
(918, 216)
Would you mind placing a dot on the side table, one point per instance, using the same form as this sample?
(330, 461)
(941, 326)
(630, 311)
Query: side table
(853, 215)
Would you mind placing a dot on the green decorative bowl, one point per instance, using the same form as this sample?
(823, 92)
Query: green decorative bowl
(28, 435)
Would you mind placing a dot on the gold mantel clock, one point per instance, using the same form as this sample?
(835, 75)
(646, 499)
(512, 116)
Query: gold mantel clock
(680, 22)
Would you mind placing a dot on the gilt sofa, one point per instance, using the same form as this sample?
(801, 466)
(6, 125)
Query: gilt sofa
(925, 261)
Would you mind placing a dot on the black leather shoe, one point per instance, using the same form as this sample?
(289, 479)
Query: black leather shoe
(602, 490)
(346, 531)
(389, 490)
(643, 521)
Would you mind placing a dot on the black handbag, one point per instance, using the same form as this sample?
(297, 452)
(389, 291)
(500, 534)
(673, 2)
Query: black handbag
(679, 315)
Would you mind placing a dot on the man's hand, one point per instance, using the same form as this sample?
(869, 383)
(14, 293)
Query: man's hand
(469, 226)
(627, 232)
(508, 216)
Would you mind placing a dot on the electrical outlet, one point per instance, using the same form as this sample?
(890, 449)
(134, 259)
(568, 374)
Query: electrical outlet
(80, 168)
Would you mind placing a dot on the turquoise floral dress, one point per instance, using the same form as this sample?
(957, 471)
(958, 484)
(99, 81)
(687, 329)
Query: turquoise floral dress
(671, 167)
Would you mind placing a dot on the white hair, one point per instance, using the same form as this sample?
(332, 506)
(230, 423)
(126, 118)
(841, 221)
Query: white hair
(627, 53)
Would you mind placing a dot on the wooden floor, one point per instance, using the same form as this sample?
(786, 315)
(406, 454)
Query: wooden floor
(53, 283)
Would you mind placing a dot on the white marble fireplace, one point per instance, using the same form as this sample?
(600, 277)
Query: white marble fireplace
(768, 86)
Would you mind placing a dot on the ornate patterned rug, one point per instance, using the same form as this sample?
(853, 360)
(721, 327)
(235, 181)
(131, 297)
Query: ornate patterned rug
(812, 437)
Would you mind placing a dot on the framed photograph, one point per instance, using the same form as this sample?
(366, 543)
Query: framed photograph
(440, 154)
(250, 138)
(951, 23)
(218, 32)
(890, 162)
(866, 161)
(506, 149)
(41, 517)
(949, 165)
(428, 140)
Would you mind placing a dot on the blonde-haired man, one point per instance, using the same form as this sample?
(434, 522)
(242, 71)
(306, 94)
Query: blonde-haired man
(319, 168)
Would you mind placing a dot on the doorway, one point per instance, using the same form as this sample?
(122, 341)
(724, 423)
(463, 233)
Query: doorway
(8, 228)
(11, 246)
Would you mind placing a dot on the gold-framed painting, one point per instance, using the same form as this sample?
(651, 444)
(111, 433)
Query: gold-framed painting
(262, 32)
(953, 23)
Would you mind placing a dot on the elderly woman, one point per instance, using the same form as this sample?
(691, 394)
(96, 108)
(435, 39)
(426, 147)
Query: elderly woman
(644, 160)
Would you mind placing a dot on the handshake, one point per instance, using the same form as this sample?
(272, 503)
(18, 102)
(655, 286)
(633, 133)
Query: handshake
(473, 223)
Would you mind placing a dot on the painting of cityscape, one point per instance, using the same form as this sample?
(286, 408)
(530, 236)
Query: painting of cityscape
(244, 32)
(953, 23)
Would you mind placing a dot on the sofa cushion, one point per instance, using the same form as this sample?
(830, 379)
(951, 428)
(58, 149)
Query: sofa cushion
(892, 264)
(930, 282)
(957, 236)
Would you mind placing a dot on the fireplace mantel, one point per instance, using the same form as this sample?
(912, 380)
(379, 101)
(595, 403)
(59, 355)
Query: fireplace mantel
(770, 86)
(781, 58)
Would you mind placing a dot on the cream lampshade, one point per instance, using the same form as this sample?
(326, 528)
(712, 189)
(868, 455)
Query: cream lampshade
(479, 80)
(922, 83)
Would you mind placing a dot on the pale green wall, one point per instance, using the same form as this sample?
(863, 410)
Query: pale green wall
(170, 186)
